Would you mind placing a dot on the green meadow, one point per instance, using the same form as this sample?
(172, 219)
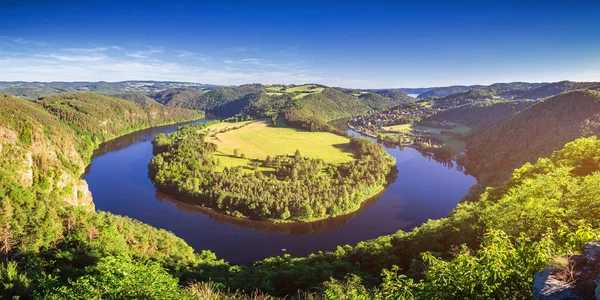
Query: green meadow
(297, 92)
(259, 139)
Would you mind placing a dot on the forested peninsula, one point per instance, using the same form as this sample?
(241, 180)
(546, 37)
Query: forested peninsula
(282, 188)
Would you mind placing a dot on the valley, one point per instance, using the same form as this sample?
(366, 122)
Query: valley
(272, 195)
(300, 150)
(423, 189)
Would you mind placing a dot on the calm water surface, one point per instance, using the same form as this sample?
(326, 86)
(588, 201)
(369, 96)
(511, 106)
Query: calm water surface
(118, 178)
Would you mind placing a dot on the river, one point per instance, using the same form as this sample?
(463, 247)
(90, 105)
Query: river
(118, 179)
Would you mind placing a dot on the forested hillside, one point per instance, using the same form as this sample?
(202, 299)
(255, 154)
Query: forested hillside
(259, 101)
(385, 99)
(414, 90)
(481, 115)
(218, 97)
(49, 231)
(97, 118)
(178, 97)
(491, 248)
(449, 90)
(557, 88)
(40, 89)
(468, 97)
(137, 98)
(35, 91)
(500, 88)
(533, 133)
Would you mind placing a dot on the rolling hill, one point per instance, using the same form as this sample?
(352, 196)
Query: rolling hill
(40, 89)
(137, 98)
(262, 101)
(556, 88)
(35, 91)
(468, 97)
(480, 116)
(177, 97)
(499, 87)
(535, 132)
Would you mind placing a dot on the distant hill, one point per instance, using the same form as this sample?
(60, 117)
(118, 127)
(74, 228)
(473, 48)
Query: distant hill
(224, 95)
(177, 97)
(534, 132)
(449, 90)
(556, 88)
(334, 104)
(40, 89)
(261, 101)
(480, 116)
(468, 97)
(395, 95)
(384, 99)
(35, 91)
(499, 87)
(137, 98)
(412, 90)
(109, 116)
(514, 86)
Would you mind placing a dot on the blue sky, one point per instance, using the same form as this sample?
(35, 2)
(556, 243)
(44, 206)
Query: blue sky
(372, 44)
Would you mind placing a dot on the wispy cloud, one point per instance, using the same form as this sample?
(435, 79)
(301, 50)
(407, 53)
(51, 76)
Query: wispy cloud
(72, 57)
(96, 64)
(117, 63)
(190, 54)
(144, 53)
(93, 49)
(183, 53)
(253, 61)
(11, 40)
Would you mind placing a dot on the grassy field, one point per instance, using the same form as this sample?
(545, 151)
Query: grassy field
(399, 128)
(258, 139)
(299, 91)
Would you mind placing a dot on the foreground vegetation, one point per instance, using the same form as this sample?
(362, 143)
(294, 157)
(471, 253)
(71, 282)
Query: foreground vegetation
(297, 187)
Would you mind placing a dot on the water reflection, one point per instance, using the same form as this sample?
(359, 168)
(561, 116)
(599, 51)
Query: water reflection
(141, 136)
(307, 228)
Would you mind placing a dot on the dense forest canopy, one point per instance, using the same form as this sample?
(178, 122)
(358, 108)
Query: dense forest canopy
(501, 88)
(135, 97)
(535, 132)
(468, 97)
(481, 115)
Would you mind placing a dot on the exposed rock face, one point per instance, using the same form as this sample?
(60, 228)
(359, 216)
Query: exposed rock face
(26, 174)
(546, 287)
(591, 252)
(43, 155)
(7, 136)
(582, 282)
